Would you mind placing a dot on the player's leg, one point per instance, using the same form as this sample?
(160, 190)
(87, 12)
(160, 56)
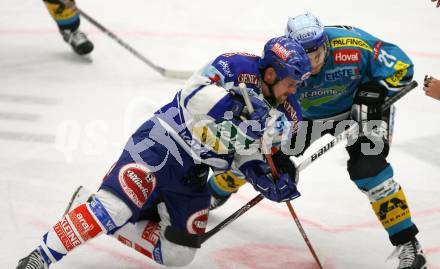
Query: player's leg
(126, 190)
(172, 240)
(147, 235)
(67, 19)
(374, 176)
(101, 214)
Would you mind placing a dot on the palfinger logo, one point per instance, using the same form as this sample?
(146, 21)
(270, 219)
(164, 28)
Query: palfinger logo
(350, 42)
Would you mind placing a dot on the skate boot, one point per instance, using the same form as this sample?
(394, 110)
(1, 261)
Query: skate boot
(217, 201)
(78, 41)
(411, 255)
(33, 261)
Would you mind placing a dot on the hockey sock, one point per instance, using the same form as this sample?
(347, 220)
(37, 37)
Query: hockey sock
(390, 206)
(103, 213)
(66, 17)
(225, 183)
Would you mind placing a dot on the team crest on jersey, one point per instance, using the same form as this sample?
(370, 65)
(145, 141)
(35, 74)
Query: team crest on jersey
(137, 182)
(196, 224)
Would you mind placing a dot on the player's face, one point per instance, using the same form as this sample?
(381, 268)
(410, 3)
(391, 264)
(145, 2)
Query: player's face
(283, 88)
(317, 59)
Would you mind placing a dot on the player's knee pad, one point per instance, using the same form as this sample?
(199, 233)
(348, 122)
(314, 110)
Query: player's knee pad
(67, 17)
(144, 237)
(160, 241)
(379, 186)
(178, 247)
(225, 183)
(115, 208)
(148, 238)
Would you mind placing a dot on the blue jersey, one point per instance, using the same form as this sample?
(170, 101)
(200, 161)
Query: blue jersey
(354, 57)
(199, 118)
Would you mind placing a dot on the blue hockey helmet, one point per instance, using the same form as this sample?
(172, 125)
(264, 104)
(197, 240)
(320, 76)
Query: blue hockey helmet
(307, 30)
(287, 57)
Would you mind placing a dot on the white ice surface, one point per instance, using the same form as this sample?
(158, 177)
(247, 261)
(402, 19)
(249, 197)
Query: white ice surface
(65, 119)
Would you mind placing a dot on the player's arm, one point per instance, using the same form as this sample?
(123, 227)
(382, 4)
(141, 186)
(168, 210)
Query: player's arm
(221, 122)
(390, 66)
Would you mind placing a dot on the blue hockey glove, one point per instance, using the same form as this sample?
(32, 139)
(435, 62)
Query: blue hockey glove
(259, 175)
(256, 121)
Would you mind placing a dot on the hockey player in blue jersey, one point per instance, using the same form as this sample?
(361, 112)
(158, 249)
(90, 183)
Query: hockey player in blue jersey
(67, 18)
(155, 197)
(353, 73)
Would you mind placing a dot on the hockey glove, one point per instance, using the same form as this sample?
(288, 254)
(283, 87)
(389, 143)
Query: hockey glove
(366, 109)
(255, 122)
(259, 175)
(284, 165)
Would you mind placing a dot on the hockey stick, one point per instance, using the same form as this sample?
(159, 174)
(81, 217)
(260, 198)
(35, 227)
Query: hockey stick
(353, 128)
(168, 73)
(305, 163)
(276, 175)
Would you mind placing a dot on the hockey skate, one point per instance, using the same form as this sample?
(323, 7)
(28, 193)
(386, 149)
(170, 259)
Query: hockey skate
(78, 41)
(217, 201)
(410, 255)
(33, 261)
